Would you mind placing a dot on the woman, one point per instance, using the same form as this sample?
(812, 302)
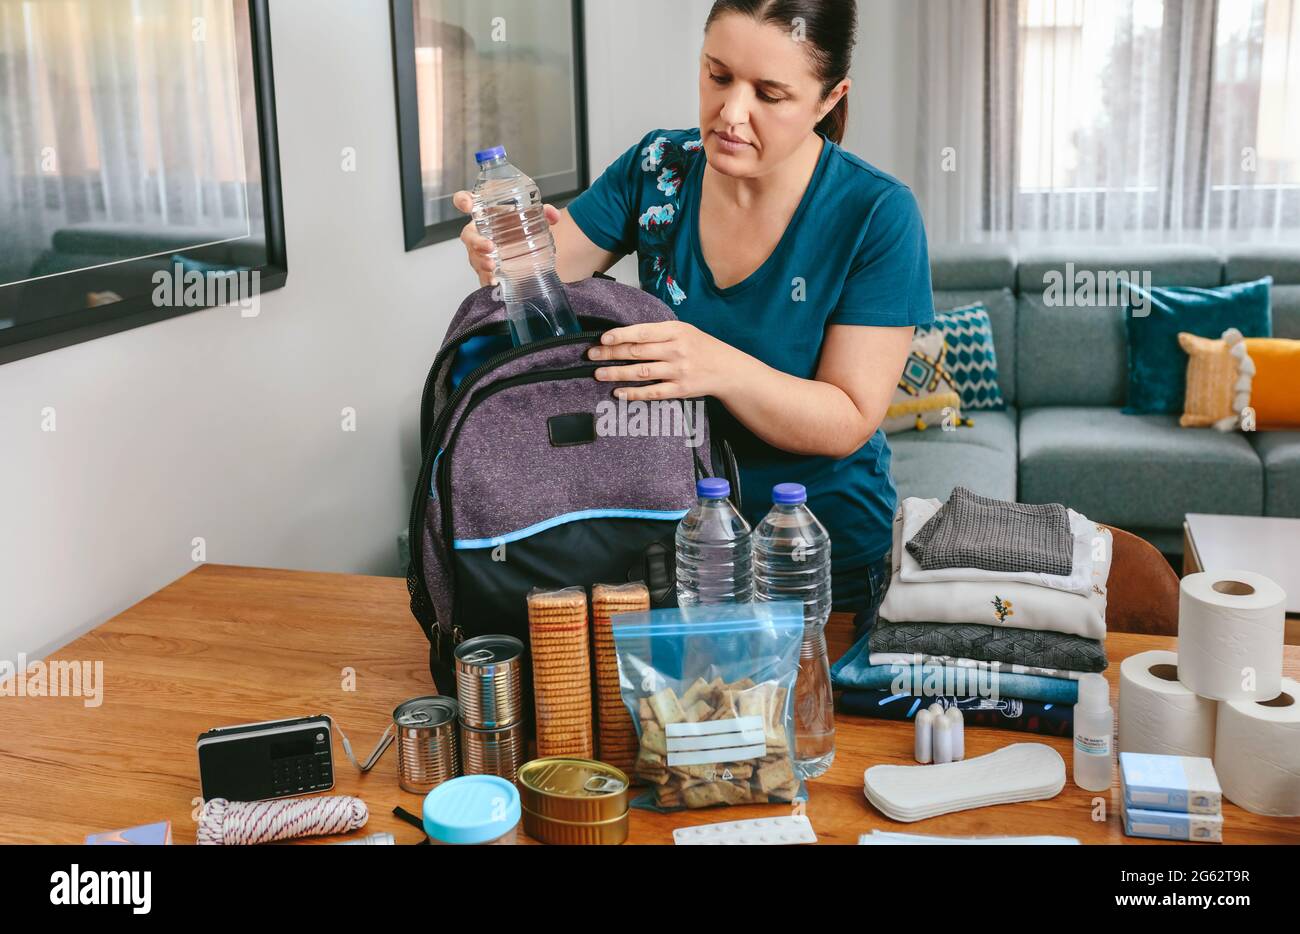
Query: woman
(797, 271)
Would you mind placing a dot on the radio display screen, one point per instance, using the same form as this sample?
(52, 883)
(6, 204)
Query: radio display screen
(296, 746)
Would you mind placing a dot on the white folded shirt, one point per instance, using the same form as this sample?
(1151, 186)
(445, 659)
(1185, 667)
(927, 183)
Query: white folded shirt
(917, 511)
(999, 602)
(951, 661)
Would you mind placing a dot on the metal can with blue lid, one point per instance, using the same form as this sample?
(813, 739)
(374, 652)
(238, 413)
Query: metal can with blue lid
(488, 681)
(472, 809)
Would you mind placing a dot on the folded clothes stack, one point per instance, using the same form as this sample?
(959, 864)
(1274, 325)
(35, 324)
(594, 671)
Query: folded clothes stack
(995, 607)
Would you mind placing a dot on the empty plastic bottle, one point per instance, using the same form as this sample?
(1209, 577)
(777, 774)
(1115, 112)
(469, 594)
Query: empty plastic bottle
(508, 211)
(792, 561)
(714, 560)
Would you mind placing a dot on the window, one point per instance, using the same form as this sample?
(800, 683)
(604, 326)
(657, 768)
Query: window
(138, 172)
(472, 75)
(1147, 117)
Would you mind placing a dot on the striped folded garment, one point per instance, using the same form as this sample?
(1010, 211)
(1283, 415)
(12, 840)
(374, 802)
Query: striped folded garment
(973, 531)
(856, 672)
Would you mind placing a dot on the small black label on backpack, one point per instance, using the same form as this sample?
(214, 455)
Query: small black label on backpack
(570, 429)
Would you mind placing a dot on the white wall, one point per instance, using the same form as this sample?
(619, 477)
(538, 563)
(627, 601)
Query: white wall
(227, 428)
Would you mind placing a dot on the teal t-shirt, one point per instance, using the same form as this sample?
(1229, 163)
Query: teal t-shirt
(854, 252)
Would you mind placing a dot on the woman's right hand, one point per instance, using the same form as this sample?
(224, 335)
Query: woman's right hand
(478, 247)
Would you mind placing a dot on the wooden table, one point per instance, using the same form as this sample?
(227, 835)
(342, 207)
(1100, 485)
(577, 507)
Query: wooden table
(226, 645)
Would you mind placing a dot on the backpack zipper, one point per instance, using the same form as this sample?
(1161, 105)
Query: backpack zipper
(499, 327)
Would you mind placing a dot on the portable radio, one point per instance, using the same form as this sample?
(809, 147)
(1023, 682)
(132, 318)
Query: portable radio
(274, 759)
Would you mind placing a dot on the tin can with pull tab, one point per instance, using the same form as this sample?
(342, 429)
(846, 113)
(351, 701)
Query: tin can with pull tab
(425, 731)
(489, 681)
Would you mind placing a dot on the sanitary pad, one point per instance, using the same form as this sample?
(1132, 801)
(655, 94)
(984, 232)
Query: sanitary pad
(1019, 772)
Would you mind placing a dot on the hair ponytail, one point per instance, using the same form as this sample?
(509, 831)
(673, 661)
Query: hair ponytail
(832, 125)
(828, 28)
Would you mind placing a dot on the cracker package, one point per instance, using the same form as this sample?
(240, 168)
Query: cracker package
(711, 692)
(616, 739)
(561, 659)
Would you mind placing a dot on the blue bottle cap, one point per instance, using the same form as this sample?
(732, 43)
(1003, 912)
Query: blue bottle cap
(471, 809)
(712, 488)
(487, 155)
(790, 494)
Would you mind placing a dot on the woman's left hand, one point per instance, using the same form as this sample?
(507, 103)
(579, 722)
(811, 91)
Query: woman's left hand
(685, 361)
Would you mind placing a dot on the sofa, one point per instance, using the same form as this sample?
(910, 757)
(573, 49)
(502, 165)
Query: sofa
(1063, 372)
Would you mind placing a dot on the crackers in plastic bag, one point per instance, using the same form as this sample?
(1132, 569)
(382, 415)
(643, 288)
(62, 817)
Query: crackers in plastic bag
(710, 690)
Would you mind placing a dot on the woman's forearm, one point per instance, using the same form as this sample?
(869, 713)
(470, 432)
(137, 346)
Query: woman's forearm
(802, 416)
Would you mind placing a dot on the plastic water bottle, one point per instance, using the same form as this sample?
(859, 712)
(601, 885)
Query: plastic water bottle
(714, 561)
(792, 561)
(508, 211)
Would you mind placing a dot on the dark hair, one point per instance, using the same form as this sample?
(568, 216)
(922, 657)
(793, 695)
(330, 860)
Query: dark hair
(828, 31)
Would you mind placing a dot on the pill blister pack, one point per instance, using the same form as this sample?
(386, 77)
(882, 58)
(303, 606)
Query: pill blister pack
(763, 831)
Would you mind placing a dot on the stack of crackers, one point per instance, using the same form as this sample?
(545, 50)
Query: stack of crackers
(617, 733)
(558, 644)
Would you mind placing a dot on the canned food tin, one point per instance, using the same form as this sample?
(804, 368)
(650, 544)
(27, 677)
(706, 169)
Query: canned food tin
(488, 679)
(492, 752)
(425, 731)
(553, 830)
(575, 790)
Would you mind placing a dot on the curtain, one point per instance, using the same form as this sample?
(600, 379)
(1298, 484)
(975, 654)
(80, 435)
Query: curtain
(1113, 120)
(122, 112)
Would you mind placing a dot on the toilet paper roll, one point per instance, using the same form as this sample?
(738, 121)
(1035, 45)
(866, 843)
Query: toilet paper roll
(1230, 632)
(1157, 713)
(1257, 753)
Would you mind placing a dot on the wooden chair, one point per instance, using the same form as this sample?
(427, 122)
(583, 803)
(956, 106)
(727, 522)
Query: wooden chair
(1142, 592)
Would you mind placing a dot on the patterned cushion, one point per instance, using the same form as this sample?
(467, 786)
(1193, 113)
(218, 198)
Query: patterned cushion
(1218, 380)
(924, 396)
(971, 361)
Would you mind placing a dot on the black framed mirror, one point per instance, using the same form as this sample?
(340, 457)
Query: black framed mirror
(139, 166)
(470, 75)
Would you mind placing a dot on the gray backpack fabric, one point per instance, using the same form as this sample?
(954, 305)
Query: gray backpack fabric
(522, 482)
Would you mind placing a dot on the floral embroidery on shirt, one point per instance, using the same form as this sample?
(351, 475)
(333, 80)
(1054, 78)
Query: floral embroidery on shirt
(1002, 609)
(674, 291)
(669, 162)
(669, 181)
(654, 153)
(656, 216)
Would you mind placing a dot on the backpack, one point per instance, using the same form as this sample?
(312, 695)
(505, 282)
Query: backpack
(533, 475)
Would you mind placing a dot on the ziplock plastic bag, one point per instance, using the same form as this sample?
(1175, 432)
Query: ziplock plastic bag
(711, 691)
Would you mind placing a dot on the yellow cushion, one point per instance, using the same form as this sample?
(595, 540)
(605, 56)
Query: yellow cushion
(1275, 392)
(1217, 389)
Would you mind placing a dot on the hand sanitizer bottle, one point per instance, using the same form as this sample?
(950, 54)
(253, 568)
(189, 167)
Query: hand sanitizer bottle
(1094, 721)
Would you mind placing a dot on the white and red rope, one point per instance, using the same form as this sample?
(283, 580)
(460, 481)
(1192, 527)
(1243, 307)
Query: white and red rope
(243, 823)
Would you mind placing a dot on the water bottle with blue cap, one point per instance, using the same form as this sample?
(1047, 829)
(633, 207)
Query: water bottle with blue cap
(714, 562)
(508, 211)
(792, 561)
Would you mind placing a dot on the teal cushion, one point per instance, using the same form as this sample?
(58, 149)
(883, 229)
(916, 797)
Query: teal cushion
(971, 360)
(1157, 365)
(1135, 471)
